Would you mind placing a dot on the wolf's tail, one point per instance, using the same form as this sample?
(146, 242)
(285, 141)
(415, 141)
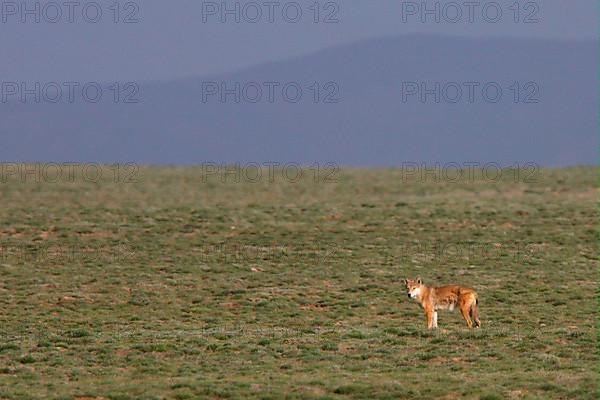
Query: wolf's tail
(475, 313)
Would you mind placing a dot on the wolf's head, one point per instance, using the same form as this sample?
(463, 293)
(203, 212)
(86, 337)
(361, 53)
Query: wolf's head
(414, 287)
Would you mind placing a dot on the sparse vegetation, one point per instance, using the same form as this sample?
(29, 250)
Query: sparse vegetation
(181, 287)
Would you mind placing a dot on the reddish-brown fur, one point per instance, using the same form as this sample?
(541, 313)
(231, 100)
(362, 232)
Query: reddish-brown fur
(444, 297)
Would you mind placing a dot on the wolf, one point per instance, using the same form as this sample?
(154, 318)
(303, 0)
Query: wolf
(447, 297)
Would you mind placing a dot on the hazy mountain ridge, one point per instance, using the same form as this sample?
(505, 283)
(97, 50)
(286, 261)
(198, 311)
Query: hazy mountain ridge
(369, 125)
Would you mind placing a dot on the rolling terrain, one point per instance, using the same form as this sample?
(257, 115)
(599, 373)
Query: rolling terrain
(355, 109)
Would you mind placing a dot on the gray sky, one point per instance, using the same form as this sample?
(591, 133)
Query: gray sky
(171, 40)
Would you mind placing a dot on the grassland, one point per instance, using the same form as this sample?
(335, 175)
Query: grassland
(181, 286)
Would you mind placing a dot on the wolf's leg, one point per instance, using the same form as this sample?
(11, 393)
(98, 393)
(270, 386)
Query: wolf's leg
(464, 310)
(475, 314)
(429, 313)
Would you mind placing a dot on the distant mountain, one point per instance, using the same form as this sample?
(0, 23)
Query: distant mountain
(547, 113)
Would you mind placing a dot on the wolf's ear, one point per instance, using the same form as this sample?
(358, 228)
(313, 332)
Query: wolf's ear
(405, 281)
(419, 281)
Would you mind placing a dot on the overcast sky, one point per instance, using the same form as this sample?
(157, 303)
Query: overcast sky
(180, 38)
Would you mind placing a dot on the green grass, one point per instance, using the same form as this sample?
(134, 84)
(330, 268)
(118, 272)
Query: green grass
(182, 287)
